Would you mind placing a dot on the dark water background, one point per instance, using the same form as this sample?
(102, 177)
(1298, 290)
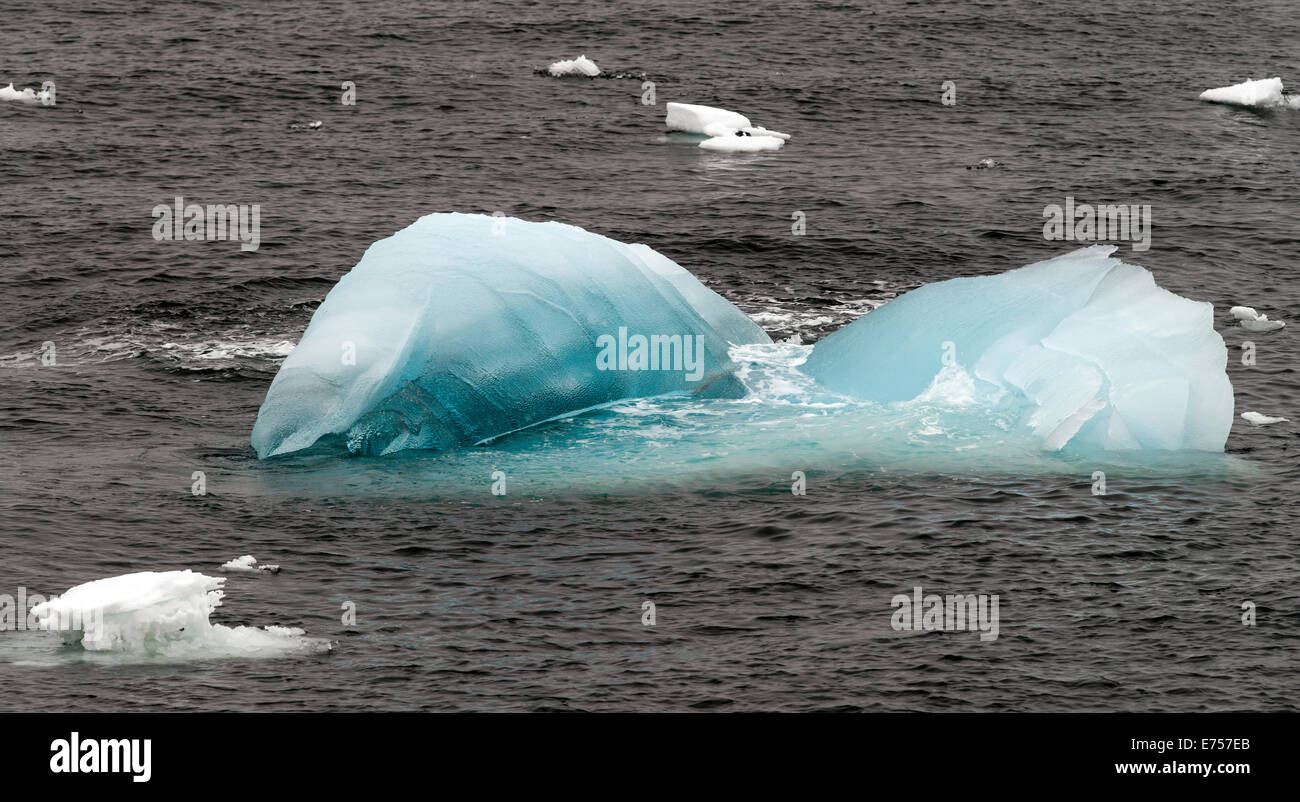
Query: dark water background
(1129, 601)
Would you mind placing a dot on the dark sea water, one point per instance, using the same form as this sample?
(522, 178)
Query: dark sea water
(533, 600)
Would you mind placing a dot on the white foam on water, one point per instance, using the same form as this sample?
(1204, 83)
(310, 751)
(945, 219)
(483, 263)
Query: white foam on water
(952, 387)
(230, 349)
(771, 374)
(776, 317)
(91, 348)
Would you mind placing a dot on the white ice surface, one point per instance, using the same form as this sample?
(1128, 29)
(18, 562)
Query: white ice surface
(578, 66)
(162, 614)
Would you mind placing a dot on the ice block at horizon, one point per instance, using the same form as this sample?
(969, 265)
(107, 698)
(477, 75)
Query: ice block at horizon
(462, 328)
(1087, 348)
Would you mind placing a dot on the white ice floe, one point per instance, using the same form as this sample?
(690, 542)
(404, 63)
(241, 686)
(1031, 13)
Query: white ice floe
(1254, 321)
(578, 66)
(162, 614)
(742, 142)
(248, 564)
(721, 126)
(1259, 419)
(27, 95)
(1264, 93)
(1262, 324)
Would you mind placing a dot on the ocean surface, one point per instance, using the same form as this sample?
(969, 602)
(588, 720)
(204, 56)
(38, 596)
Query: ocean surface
(764, 600)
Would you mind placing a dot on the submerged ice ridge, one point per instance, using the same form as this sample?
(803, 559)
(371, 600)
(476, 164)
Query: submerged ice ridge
(1086, 350)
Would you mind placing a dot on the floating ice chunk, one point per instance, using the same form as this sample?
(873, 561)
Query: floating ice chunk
(695, 119)
(1262, 324)
(714, 123)
(1087, 348)
(1262, 93)
(1254, 321)
(162, 614)
(1259, 419)
(736, 143)
(248, 564)
(462, 328)
(578, 66)
(27, 95)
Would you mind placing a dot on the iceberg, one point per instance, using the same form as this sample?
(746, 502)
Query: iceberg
(248, 564)
(1260, 419)
(1086, 350)
(718, 124)
(162, 614)
(578, 66)
(1254, 321)
(1264, 93)
(462, 328)
(27, 95)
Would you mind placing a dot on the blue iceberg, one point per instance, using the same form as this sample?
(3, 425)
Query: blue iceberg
(1084, 349)
(462, 328)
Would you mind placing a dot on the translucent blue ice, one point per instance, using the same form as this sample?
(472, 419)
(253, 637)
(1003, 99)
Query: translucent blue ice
(1085, 349)
(461, 328)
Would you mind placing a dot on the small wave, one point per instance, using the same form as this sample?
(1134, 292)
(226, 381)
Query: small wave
(195, 355)
(798, 326)
(218, 349)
